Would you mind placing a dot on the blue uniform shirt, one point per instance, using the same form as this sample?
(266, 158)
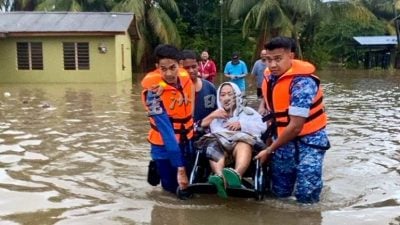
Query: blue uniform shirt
(237, 69)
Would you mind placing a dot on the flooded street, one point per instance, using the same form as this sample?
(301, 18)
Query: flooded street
(77, 154)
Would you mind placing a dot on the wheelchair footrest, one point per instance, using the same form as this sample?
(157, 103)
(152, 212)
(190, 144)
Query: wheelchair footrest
(202, 188)
(206, 188)
(240, 192)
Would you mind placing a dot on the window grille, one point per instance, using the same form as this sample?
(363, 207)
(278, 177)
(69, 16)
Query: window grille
(30, 55)
(76, 56)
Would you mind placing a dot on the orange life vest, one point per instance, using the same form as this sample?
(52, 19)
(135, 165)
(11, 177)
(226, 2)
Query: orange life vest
(177, 103)
(277, 98)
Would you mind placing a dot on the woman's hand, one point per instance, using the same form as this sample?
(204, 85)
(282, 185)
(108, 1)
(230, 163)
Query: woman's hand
(220, 114)
(233, 126)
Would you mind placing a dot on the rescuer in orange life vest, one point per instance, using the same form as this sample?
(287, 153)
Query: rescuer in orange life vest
(293, 99)
(168, 96)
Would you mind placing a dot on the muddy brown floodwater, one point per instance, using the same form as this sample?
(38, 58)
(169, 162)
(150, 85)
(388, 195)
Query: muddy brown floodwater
(77, 154)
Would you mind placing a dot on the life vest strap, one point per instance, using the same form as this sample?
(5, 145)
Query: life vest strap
(315, 115)
(181, 120)
(310, 118)
(176, 131)
(281, 114)
(316, 103)
(285, 113)
(268, 117)
(281, 124)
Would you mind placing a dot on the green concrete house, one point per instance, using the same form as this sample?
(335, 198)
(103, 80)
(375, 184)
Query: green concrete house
(56, 47)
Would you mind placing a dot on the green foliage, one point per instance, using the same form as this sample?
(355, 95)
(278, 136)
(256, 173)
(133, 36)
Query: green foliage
(5, 5)
(200, 30)
(381, 9)
(75, 5)
(324, 30)
(235, 43)
(155, 23)
(199, 26)
(334, 40)
(318, 54)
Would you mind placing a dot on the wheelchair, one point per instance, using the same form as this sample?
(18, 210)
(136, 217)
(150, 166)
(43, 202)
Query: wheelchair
(254, 181)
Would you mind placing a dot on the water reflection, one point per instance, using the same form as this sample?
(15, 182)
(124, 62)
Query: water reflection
(232, 213)
(77, 154)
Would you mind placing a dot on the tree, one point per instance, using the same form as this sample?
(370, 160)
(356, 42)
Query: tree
(199, 25)
(5, 5)
(266, 19)
(154, 26)
(385, 11)
(306, 21)
(322, 29)
(75, 5)
(200, 29)
(23, 5)
(333, 40)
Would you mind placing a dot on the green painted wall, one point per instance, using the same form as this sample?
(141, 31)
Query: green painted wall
(103, 67)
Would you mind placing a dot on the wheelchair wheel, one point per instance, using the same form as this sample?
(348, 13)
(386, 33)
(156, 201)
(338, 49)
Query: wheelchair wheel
(183, 194)
(259, 196)
(194, 175)
(259, 182)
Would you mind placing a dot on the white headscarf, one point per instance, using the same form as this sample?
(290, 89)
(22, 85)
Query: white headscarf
(250, 120)
(238, 97)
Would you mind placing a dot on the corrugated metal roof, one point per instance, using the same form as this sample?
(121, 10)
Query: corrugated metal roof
(65, 22)
(376, 40)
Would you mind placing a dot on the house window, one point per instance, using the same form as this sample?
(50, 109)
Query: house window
(76, 55)
(30, 55)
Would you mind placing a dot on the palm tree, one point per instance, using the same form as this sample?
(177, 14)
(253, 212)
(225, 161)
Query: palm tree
(5, 5)
(384, 10)
(354, 18)
(301, 19)
(154, 25)
(74, 5)
(266, 19)
(22, 5)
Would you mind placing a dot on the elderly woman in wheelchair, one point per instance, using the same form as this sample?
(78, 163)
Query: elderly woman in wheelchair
(229, 147)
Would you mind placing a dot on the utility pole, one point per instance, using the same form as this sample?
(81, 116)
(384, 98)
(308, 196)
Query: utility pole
(221, 38)
(393, 55)
(396, 22)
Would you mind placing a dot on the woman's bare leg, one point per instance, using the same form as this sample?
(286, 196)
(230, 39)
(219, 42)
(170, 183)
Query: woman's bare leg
(242, 155)
(218, 166)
